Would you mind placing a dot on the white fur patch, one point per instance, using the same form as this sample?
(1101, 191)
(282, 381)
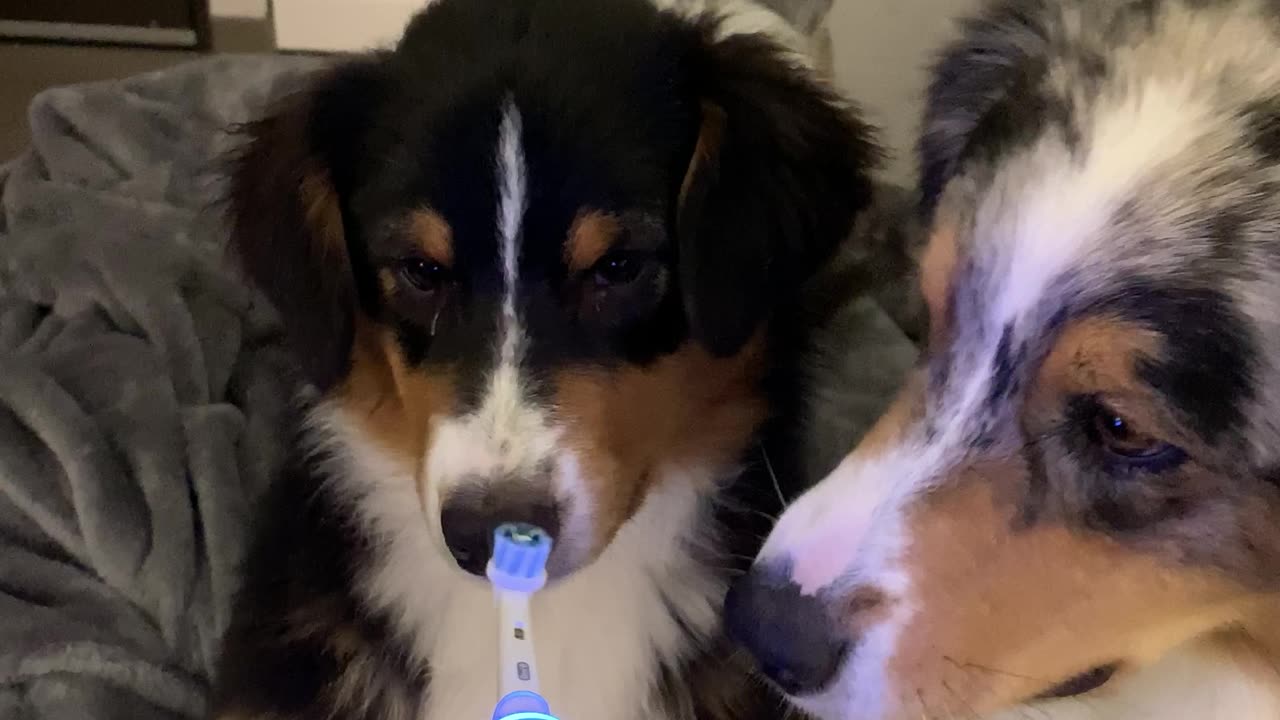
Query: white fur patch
(513, 200)
(507, 436)
(577, 511)
(601, 632)
(746, 17)
(1051, 212)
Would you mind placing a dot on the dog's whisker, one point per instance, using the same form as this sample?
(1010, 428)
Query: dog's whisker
(736, 571)
(925, 712)
(984, 670)
(773, 519)
(971, 714)
(777, 486)
(946, 704)
(994, 671)
(984, 680)
(1026, 710)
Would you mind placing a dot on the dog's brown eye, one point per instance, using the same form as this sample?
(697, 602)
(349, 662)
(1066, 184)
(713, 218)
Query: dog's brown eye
(1123, 443)
(617, 268)
(424, 275)
(1119, 436)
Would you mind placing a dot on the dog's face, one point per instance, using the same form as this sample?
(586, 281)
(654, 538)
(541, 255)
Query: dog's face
(1082, 473)
(529, 256)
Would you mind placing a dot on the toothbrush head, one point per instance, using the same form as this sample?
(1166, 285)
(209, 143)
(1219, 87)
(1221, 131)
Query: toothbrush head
(519, 558)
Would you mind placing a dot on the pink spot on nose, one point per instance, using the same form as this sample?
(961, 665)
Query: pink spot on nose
(824, 556)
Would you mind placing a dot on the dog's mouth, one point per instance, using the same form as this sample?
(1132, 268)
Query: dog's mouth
(1085, 682)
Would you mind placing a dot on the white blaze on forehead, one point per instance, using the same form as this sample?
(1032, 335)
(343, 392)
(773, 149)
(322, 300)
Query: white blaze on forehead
(1050, 211)
(507, 436)
(1047, 212)
(512, 201)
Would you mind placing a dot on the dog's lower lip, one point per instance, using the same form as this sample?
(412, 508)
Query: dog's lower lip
(1082, 683)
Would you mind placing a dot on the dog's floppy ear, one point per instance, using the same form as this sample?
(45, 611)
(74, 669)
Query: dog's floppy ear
(287, 220)
(777, 176)
(996, 51)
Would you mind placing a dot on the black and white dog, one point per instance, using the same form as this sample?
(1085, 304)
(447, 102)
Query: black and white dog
(538, 263)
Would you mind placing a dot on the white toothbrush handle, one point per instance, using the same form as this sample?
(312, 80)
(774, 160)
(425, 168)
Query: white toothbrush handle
(517, 668)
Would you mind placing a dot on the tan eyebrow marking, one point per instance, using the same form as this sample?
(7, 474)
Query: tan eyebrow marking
(591, 236)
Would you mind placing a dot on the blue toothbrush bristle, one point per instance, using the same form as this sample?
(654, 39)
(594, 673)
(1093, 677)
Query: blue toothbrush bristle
(519, 559)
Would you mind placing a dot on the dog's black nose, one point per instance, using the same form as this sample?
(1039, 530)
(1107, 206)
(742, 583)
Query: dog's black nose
(793, 637)
(469, 517)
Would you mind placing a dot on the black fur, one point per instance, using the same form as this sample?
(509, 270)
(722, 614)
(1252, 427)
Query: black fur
(1263, 119)
(292, 166)
(611, 135)
(754, 224)
(1019, 118)
(1005, 367)
(1206, 365)
(968, 80)
(284, 650)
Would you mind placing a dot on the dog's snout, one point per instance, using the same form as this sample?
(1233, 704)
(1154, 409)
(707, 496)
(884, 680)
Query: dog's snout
(794, 638)
(469, 517)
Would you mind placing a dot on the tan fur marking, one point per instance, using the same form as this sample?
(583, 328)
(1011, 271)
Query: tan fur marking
(1226, 521)
(387, 281)
(1000, 616)
(863, 607)
(936, 268)
(1099, 356)
(394, 403)
(710, 136)
(629, 425)
(591, 236)
(433, 235)
(322, 215)
(323, 619)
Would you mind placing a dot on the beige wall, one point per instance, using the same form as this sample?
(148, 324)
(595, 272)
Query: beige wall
(341, 25)
(881, 49)
(238, 8)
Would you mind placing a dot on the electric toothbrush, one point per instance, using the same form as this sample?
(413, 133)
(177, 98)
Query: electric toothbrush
(516, 570)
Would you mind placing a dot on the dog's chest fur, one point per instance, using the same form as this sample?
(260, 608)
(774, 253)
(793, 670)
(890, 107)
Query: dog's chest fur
(603, 636)
(599, 643)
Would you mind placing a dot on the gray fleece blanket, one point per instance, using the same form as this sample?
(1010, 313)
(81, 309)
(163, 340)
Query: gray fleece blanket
(141, 389)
